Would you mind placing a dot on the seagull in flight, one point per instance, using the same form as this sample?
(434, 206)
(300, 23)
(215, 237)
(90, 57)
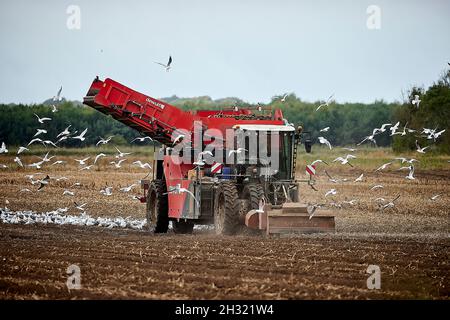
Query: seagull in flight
(382, 128)
(410, 175)
(3, 148)
(322, 140)
(419, 149)
(104, 141)
(58, 95)
(81, 136)
(54, 109)
(435, 197)
(384, 166)
(410, 161)
(65, 132)
(237, 151)
(390, 204)
(283, 99)
(318, 161)
(118, 163)
(331, 192)
(68, 193)
(394, 128)
(82, 162)
(80, 206)
(121, 154)
(58, 162)
(141, 139)
(41, 120)
(18, 161)
(200, 161)
(166, 66)
(350, 149)
(360, 178)
(327, 103)
(177, 189)
(99, 156)
(324, 129)
(416, 101)
(128, 189)
(86, 167)
(345, 160)
(142, 165)
(21, 149)
(368, 138)
(39, 131)
(44, 182)
(178, 139)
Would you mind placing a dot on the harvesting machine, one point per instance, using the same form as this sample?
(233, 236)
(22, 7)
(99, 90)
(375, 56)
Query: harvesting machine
(232, 167)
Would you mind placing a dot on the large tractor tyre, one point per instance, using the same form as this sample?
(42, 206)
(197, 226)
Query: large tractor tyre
(226, 209)
(157, 207)
(252, 193)
(182, 227)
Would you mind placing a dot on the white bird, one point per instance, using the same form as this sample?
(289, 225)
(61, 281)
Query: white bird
(65, 132)
(35, 140)
(390, 204)
(284, 97)
(177, 189)
(360, 178)
(121, 154)
(368, 138)
(41, 120)
(435, 197)
(104, 141)
(378, 186)
(128, 189)
(76, 184)
(237, 151)
(58, 162)
(410, 175)
(141, 139)
(86, 167)
(46, 158)
(68, 193)
(118, 163)
(345, 160)
(416, 101)
(410, 161)
(107, 191)
(324, 129)
(36, 165)
(44, 182)
(31, 176)
(17, 160)
(99, 156)
(54, 109)
(80, 206)
(318, 161)
(327, 103)
(322, 140)
(142, 165)
(382, 129)
(312, 210)
(3, 166)
(330, 192)
(350, 202)
(330, 178)
(350, 149)
(178, 138)
(58, 95)
(3, 148)
(200, 161)
(384, 166)
(394, 128)
(82, 162)
(81, 136)
(49, 142)
(39, 131)
(166, 66)
(22, 149)
(61, 179)
(419, 149)
(25, 190)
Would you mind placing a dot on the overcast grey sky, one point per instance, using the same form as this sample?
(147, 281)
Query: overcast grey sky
(249, 49)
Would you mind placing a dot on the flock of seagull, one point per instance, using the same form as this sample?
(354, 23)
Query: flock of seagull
(39, 180)
(430, 134)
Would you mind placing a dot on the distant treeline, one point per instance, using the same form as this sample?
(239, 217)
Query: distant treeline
(349, 122)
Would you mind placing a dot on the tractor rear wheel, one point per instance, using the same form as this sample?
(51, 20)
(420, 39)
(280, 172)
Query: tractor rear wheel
(226, 209)
(252, 193)
(157, 207)
(182, 227)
